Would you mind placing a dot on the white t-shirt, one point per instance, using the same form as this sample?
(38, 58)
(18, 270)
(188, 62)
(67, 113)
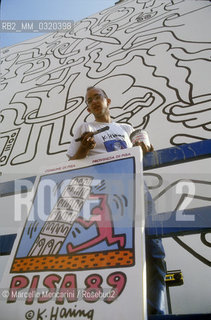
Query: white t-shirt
(116, 138)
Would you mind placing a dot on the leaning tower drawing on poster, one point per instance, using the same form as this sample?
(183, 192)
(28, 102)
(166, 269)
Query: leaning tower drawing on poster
(62, 217)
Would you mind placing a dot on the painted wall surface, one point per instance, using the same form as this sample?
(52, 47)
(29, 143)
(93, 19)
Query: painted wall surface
(153, 60)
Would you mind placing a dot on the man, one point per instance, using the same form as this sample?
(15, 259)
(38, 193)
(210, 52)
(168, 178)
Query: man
(98, 104)
(118, 137)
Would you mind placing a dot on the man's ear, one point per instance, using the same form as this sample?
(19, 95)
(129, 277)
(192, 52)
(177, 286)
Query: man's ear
(108, 101)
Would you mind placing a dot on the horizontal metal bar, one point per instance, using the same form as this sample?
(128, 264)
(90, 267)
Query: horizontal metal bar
(12, 187)
(189, 221)
(175, 155)
(6, 243)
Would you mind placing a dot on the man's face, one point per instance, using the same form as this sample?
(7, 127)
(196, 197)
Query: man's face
(97, 103)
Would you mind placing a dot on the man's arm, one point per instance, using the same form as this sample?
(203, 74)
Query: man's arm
(87, 143)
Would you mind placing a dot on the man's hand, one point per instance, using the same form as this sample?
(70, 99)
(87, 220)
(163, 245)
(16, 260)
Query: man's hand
(88, 141)
(144, 147)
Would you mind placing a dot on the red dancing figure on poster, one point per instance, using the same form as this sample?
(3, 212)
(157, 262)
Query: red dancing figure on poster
(102, 217)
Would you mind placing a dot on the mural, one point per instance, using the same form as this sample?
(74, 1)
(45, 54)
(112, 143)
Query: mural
(152, 58)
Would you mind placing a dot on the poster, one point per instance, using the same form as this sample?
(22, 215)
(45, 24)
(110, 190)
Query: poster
(80, 254)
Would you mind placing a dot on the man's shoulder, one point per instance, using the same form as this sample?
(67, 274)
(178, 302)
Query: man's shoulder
(125, 126)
